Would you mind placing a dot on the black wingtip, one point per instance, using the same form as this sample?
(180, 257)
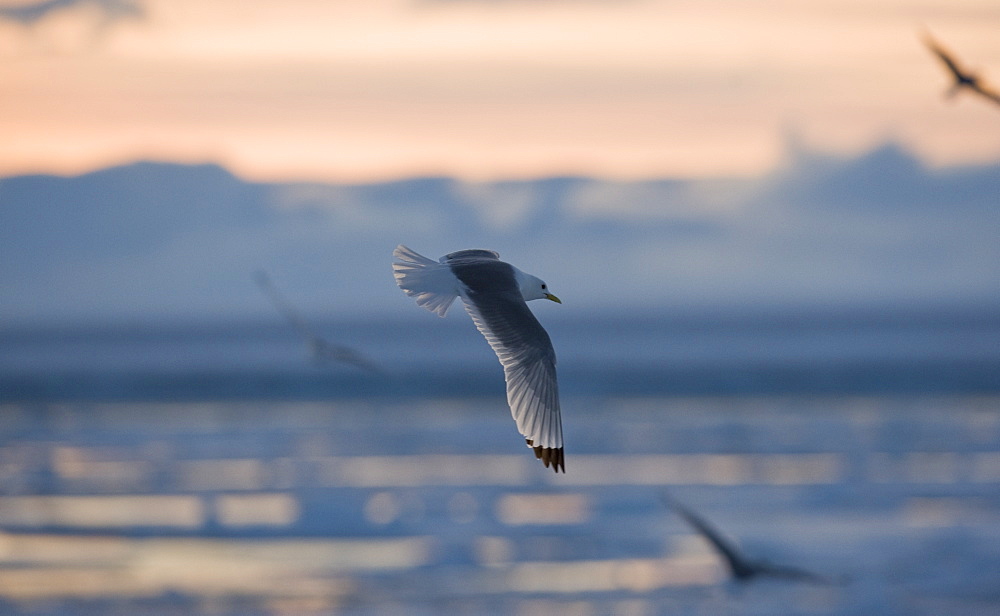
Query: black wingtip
(550, 457)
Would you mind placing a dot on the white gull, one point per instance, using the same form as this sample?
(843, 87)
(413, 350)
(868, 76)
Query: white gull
(494, 294)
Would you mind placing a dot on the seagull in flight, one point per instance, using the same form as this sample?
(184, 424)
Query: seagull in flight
(741, 568)
(321, 350)
(495, 295)
(963, 78)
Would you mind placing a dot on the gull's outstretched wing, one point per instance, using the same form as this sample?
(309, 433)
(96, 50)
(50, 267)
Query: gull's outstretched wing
(281, 304)
(946, 58)
(493, 300)
(322, 350)
(739, 566)
(987, 92)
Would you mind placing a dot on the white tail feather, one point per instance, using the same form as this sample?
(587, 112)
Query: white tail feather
(430, 282)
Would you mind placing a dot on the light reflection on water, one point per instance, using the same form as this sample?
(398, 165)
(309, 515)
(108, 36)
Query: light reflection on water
(102, 511)
(379, 506)
(61, 566)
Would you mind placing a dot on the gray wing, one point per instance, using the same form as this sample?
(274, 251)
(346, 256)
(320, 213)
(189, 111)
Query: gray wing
(321, 349)
(524, 349)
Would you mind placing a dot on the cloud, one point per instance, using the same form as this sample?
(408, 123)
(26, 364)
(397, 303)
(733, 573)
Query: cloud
(110, 10)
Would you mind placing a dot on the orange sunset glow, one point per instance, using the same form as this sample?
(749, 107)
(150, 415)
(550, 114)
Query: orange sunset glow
(476, 89)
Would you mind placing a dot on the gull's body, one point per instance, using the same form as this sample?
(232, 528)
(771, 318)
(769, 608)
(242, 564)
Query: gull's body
(740, 567)
(320, 349)
(963, 78)
(495, 294)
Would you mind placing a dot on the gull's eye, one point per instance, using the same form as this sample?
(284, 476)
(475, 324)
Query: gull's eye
(543, 286)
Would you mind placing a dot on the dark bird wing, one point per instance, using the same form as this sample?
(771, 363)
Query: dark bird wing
(792, 573)
(740, 567)
(986, 91)
(946, 58)
(322, 350)
(963, 77)
(291, 315)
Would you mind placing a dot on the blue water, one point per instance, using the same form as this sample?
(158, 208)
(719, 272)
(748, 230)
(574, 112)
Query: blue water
(207, 469)
(867, 352)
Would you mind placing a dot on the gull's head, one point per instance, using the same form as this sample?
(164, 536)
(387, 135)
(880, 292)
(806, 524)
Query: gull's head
(533, 287)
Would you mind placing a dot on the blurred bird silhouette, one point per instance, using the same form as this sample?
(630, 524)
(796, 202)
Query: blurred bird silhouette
(963, 78)
(741, 568)
(31, 13)
(321, 350)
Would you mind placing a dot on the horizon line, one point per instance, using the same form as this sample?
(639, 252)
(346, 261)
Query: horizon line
(792, 152)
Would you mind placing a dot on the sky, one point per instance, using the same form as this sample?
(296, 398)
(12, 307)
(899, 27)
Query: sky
(337, 90)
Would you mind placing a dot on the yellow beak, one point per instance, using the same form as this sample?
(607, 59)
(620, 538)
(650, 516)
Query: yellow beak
(553, 298)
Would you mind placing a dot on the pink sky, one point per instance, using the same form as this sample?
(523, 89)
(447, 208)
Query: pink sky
(324, 90)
